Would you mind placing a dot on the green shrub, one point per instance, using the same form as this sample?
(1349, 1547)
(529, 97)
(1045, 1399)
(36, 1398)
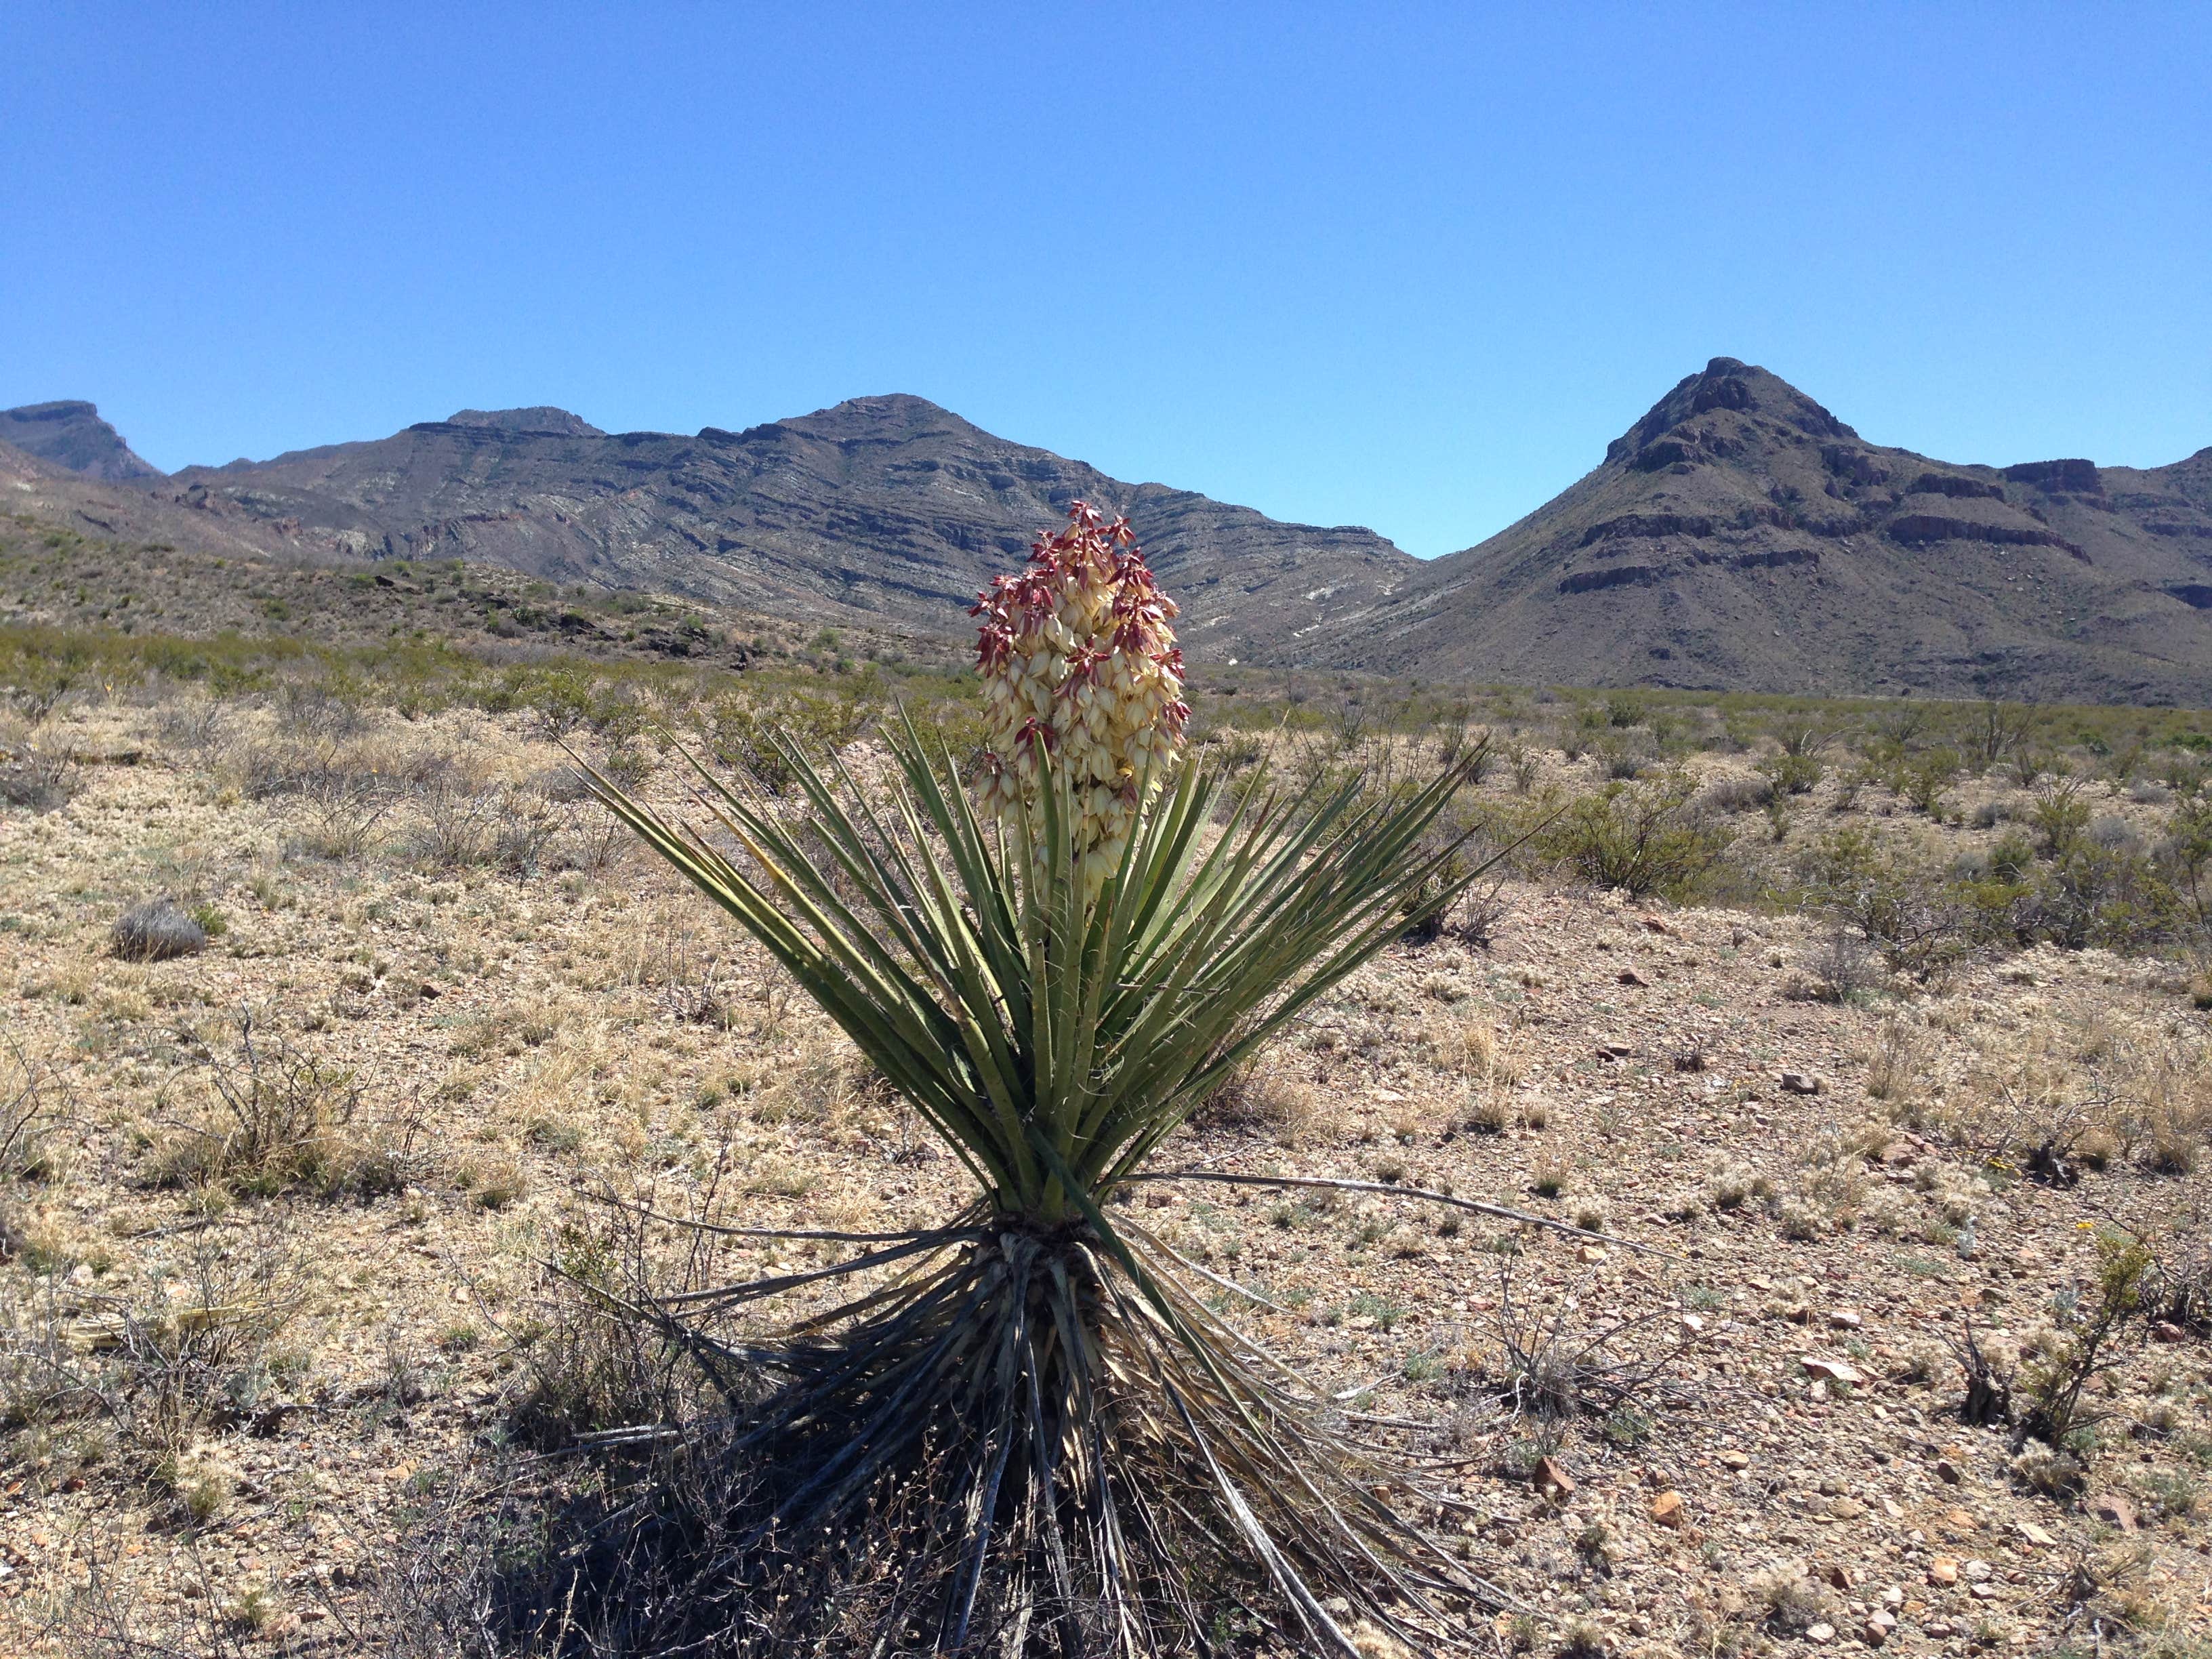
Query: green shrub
(1643, 838)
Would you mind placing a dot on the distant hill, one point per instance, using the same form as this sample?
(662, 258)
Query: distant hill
(72, 435)
(882, 510)
(1740, 537)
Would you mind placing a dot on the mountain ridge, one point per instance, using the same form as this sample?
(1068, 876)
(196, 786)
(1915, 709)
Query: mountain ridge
(1739, 536)
(876, 507)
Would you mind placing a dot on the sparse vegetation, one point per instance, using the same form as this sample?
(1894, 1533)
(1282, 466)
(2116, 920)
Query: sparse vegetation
(502, 1037)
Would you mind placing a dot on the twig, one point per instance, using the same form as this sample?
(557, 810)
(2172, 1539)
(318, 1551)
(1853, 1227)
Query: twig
(1502, 1211)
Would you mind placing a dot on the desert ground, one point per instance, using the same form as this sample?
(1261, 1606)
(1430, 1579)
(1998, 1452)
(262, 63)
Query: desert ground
(295, 1221)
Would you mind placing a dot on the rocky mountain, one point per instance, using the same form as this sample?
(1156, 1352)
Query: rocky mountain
(1740, 537)
(879, 509)
(72, 435)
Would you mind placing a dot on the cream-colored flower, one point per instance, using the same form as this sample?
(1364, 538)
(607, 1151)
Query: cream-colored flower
(1078, 662)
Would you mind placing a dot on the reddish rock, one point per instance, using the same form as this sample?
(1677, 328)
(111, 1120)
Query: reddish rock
(1666, 1510)
(1551, 1480)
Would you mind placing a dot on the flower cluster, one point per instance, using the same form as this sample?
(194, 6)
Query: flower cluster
(1078, 662)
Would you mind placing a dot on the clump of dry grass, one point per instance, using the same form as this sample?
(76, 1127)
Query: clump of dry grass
(1897, 1062)
(1789, 1601)
(1265, 1098)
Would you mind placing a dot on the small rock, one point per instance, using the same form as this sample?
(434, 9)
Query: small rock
(1630, 976)
(1943, 1571)
(1666, 1510)
(1833, 1370)
(1846, 1509)
(1983, 1592)
(1975, 1572)
(1873, 1633)
(1693, 1324)
(1736, 1459)
(2036, 1536)
(2113, 1510)
(2167, 1331)
(1652, 924)
(1552, 1481)
(1614, 1051)
(1842, 1321)
(1893, 1597)
(1799, 1083)
(1590, 1253)
(1823, 1632)
(1947, 1471)
(1838, 1575)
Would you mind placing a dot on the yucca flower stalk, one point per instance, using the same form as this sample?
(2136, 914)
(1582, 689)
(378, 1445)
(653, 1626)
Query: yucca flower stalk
(1027, 1434)
(1080, 669)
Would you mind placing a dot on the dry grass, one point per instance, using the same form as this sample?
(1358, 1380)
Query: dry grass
(545, 1034)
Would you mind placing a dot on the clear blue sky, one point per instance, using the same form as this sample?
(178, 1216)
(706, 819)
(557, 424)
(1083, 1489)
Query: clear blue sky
(1401, 265)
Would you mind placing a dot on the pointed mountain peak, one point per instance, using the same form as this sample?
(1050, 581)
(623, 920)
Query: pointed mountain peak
(537, 418)
(71, 434)
(892, 415)
(1731, 387)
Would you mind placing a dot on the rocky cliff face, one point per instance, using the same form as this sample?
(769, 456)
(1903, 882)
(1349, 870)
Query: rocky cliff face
(879, 509)
(1739, 536)
(73, 436)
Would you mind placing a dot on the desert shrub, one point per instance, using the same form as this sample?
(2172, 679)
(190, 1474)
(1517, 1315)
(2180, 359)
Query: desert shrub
(157, 930)
(1918, 922)
(339, 809)
(2093, 895)
(1646, 838)
(1790, 774)
(1622, 759)
(37, 777)
(2060, 818)
(1924, 780)
(276, 1119)
(1527, 765)
(30, 1099)
(457, 821)
(1736, 794)
(2052, 1383)
(185, 1351)
(1997, 729)
(748, 732)
(1841, 966)
(524, 832)
(2048, 1471)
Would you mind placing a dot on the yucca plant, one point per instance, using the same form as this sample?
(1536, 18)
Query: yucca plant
(1028, 1433)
